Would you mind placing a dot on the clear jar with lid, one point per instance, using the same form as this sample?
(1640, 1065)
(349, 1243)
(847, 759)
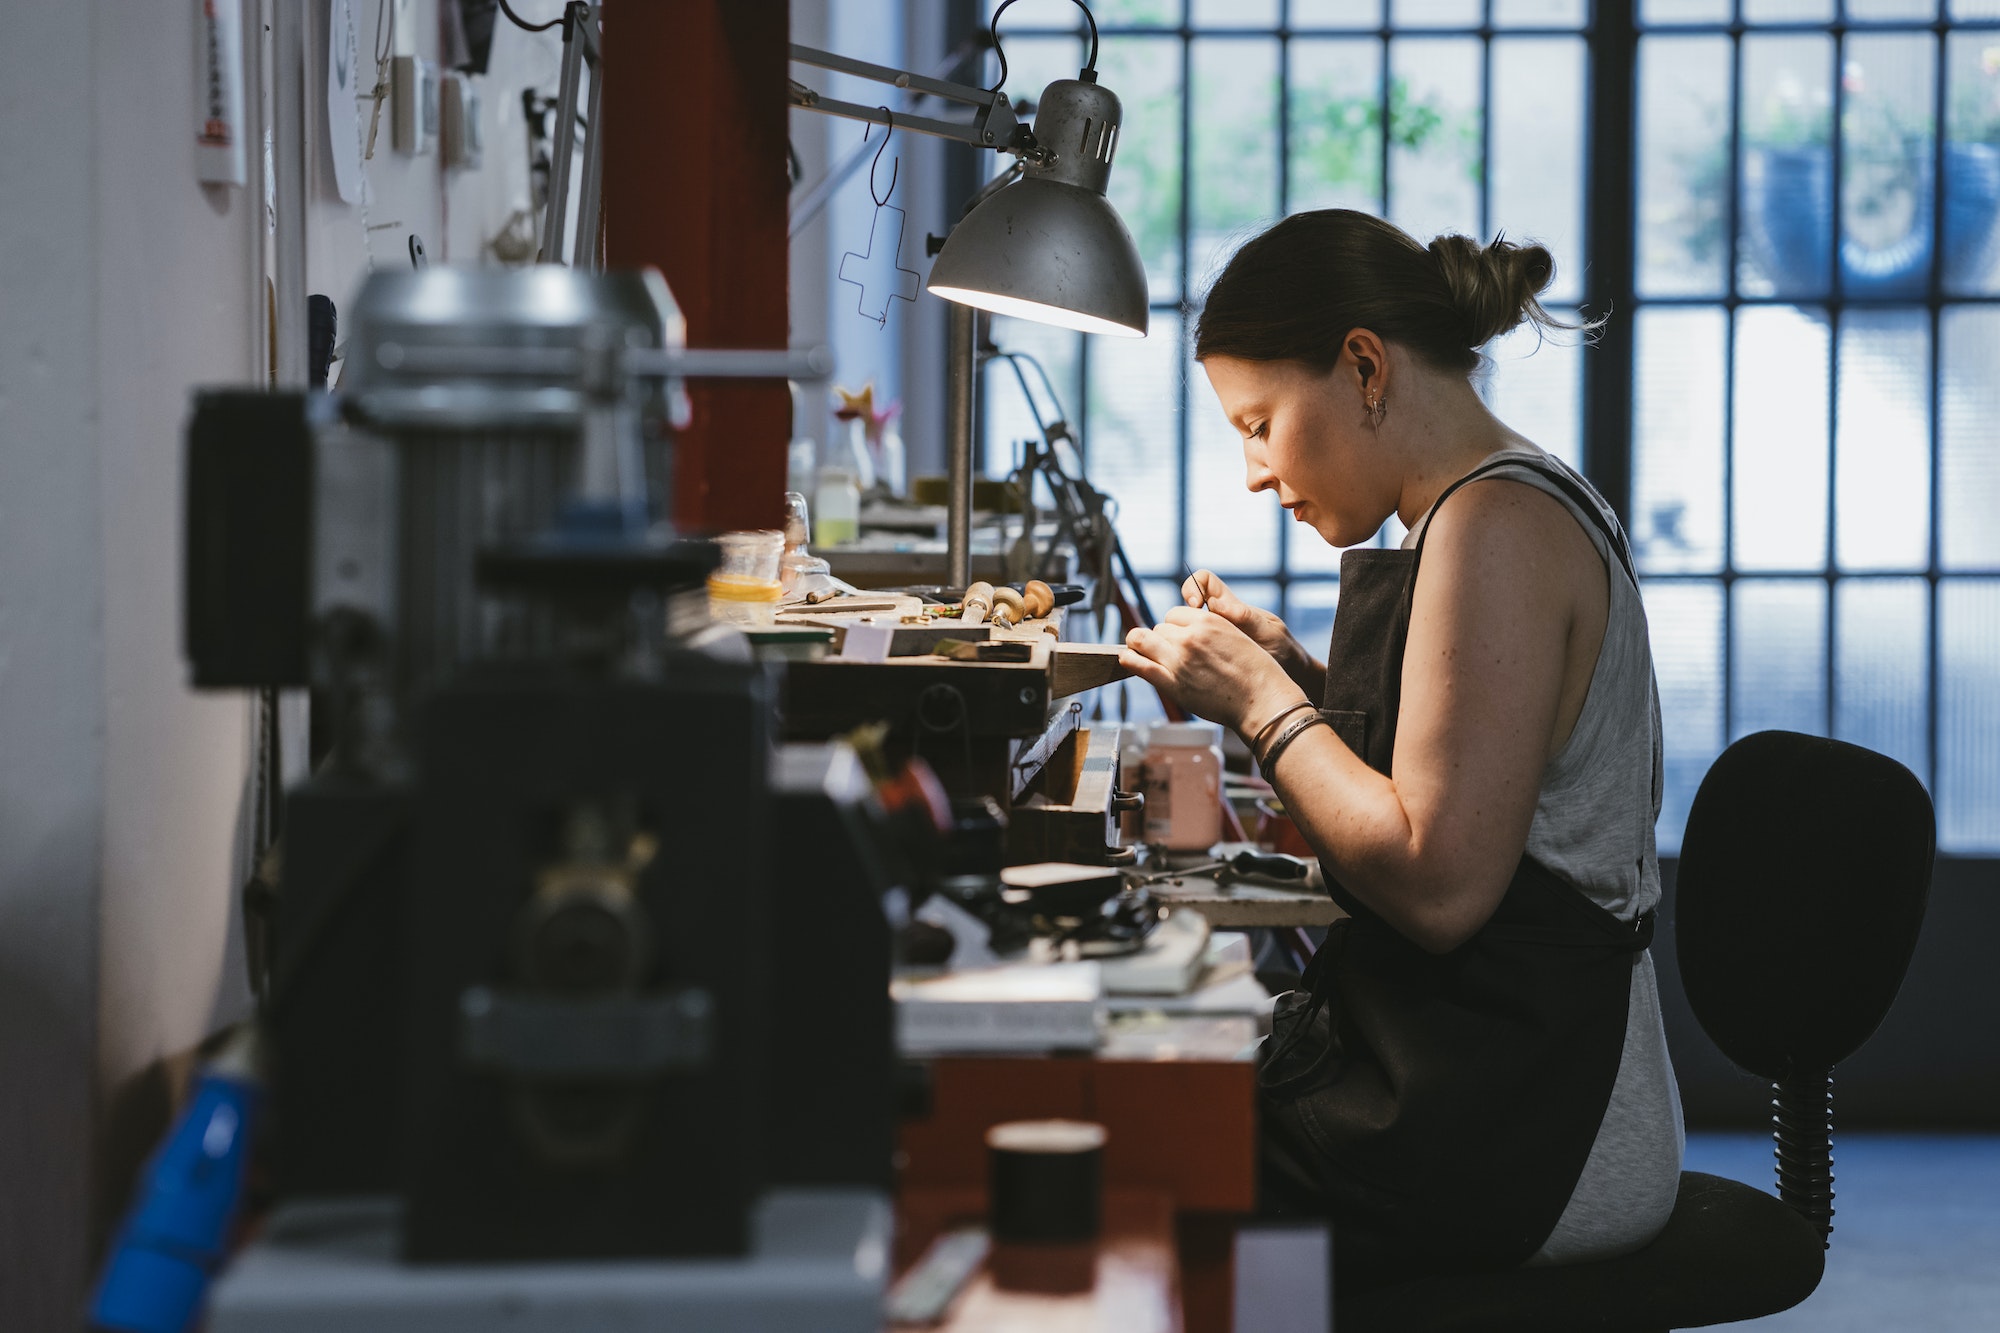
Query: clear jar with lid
(838, 502)
(800, 571)
(1183, 785)
(745, 587)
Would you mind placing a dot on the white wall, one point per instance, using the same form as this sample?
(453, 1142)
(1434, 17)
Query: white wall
(123, 285)
(172, 293)
(51, 658)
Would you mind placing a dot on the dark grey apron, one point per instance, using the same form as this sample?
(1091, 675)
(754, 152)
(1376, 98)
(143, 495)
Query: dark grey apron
(1439, 1109)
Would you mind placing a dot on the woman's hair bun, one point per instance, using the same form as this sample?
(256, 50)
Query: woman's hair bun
(1294, 293)
(1494, 286)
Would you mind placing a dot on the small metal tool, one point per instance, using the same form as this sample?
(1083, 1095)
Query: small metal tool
(1187, 573)
(1243, 865)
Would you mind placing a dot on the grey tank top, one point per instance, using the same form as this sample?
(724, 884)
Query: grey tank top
(1593, 825)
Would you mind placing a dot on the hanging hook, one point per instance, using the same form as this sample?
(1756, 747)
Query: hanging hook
(895, 163)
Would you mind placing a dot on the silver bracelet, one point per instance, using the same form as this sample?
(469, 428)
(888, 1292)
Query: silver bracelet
(1269, 760)
(1257, 737)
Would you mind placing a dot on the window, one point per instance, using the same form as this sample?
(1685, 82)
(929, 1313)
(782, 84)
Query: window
(1238, 112)
(1814, 478)
(1815, 474)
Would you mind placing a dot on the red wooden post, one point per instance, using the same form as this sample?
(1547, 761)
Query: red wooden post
(694, 185)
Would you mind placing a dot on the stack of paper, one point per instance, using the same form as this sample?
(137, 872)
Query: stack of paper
(1015, 1007)
(1169, 962)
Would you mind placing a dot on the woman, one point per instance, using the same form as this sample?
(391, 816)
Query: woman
(1474, 1073)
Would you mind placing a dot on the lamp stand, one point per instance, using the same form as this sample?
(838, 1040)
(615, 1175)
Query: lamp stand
(961, 374)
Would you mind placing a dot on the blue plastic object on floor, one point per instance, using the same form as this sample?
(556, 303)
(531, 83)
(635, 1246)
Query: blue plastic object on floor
(179, 1229)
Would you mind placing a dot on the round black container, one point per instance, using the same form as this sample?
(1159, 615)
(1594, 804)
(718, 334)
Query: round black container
(1045, 1179)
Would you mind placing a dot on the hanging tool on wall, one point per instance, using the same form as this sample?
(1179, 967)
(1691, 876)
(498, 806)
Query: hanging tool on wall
(879, 267)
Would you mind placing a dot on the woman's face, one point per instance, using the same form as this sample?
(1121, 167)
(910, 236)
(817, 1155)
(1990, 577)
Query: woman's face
(1305, 436)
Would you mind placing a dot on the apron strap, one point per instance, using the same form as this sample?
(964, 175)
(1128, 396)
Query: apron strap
(1585, 500)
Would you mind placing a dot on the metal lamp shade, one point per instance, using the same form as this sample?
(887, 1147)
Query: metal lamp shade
(1048, 251)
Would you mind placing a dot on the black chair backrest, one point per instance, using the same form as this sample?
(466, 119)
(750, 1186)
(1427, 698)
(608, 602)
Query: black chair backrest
(1803, 876)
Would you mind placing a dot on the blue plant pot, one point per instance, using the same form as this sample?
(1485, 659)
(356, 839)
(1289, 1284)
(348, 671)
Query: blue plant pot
(1902, 266)
(1788, 212)
(1788, 205)
(1971, 212)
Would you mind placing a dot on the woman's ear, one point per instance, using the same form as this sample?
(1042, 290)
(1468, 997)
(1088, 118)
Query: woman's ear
(1362, 361)
(1370, 359)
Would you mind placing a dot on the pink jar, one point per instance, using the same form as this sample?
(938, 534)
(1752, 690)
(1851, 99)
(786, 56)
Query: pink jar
(1183, 785)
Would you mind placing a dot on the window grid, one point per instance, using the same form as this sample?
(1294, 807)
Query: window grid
(1615, 39)
(1836, 306)
(1184, 306)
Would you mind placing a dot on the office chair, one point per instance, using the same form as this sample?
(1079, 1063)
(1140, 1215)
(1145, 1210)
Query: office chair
(1803, 877)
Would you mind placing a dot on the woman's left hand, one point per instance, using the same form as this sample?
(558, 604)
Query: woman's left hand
(1209, 667)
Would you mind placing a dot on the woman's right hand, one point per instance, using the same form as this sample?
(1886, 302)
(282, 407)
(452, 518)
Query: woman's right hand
(1204, 588)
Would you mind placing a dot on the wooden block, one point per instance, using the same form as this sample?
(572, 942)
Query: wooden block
(883, 640)
(1185, 1128)
(1085, 666)
(969, 1095)
(1032, 757)
(1075, 817)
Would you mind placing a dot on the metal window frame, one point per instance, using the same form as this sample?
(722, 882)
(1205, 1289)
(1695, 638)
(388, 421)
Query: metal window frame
(1613, 33)
(1834, 304)
(1606, 466)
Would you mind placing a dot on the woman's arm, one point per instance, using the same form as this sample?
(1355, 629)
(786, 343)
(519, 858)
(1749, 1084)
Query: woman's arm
(1433, 850)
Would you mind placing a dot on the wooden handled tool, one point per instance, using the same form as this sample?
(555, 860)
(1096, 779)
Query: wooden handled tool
(978, 602)
(1008, 607)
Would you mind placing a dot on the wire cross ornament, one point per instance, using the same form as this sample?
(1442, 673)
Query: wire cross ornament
(876, 269)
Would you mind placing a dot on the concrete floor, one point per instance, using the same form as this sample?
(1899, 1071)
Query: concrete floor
(1916, 1238)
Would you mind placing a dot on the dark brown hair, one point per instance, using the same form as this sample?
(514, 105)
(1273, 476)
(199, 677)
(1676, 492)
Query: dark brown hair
(1292, 293)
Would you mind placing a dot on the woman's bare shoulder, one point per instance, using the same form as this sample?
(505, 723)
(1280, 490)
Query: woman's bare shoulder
(1504, 526)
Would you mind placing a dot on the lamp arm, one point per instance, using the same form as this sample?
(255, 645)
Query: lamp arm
(901, 78)
(807, 205)
(993, 125)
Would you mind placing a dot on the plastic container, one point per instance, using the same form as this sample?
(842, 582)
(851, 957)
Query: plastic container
(1183, 786)
(838, 503)
(745, 587)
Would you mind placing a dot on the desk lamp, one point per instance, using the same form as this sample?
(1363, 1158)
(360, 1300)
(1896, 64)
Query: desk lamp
(1039, 242)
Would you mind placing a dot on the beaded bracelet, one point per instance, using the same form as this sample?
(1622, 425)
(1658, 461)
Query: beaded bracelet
(1258, 737)
(1268, 762)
